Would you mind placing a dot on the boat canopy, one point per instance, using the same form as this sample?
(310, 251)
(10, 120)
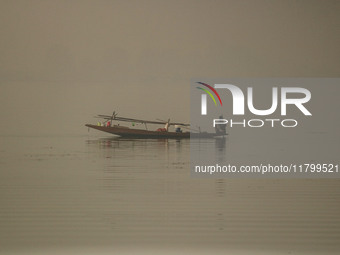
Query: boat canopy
(117, 118)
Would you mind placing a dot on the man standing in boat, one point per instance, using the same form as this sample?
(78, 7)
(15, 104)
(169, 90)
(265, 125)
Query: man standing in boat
(220, 129)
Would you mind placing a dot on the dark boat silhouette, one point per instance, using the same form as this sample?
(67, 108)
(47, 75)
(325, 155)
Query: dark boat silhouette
(123, 131)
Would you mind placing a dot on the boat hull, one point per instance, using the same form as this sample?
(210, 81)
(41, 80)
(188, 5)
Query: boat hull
(140, 133)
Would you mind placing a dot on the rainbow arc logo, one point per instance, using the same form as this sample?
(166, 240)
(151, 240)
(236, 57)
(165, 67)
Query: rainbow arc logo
(204, 96)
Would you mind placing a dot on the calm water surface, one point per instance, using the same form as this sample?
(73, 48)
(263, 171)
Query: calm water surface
(98, 195)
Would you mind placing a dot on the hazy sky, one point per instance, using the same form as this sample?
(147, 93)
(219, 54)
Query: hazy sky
(61, 62)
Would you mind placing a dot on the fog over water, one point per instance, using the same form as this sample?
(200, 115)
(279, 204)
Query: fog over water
(90, 194)
(61, 62)
(64, 190)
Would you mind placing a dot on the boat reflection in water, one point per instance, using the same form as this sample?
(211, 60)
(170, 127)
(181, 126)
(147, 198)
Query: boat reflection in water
(102, 195)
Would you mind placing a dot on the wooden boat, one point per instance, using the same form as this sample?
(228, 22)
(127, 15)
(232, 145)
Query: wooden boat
(163, 133)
